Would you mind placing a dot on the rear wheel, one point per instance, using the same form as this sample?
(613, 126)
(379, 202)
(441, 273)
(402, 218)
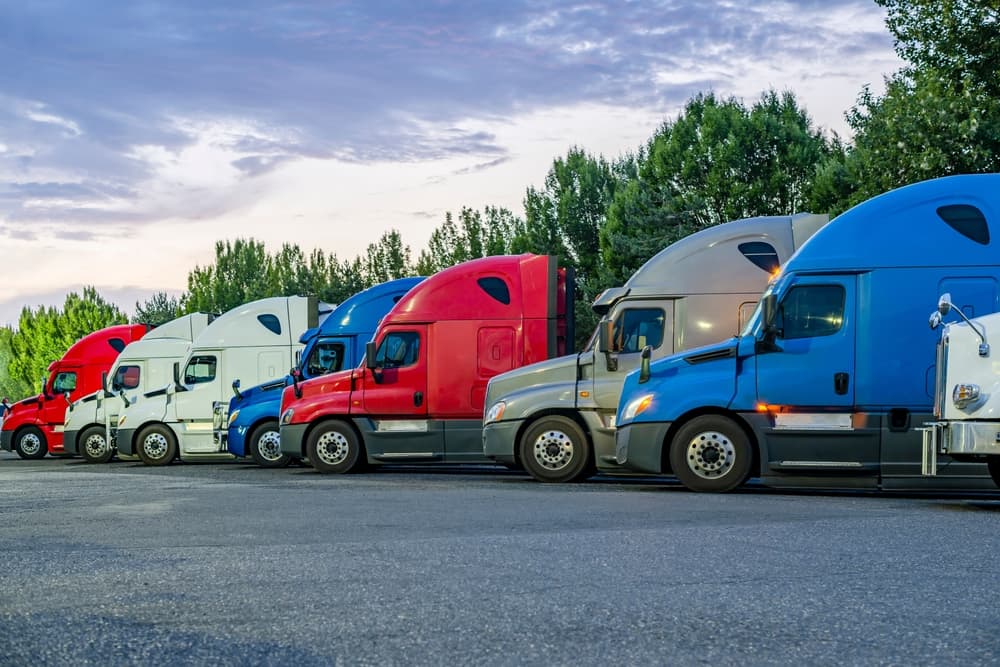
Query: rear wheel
(711, 453)
(265, 446)
(94, 447)
(335, 447)
(156, 445)
(30, 443)
(555, 449)
(993, 463)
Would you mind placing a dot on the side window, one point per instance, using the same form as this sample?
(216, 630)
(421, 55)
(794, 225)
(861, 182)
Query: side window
(126, 377)
(270, 322)
(763, 255)
(199, 370)
(398, 349)
(496, 288)
(635, 328)
(325, 358)
(64, 383)
(811, 310)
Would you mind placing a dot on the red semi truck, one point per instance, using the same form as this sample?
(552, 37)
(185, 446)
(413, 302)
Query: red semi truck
(34, 426)
(418, 397)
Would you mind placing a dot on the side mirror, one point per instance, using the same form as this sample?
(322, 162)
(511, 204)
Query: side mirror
(104, 380)
(944, 304)
(605, 334)
(236, 388)
(370, 351)
(45, 389)
(125, 401)
(296, 376)
(177, 374)
(935, 320)
(644, 356)
(770, 307)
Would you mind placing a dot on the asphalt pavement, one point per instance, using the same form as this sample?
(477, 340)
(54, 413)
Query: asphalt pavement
(229, 564)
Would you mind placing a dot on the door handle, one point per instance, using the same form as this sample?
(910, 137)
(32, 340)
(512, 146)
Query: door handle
(418, 398)
(840, 382)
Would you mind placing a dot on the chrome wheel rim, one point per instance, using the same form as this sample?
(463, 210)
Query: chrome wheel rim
(155, 445)
(269, 446)
(95, 445)
(332, 448)
(31, 444)
(711, 455)
(553, 449)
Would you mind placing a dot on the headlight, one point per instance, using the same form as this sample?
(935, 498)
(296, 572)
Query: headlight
(495, 413)
(121, 421)
(286, 416)
(964, 394)
(232, 417)
(636, 407)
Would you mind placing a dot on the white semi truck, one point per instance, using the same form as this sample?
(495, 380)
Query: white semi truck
(966, 392)
(91, 421)
(252, 343)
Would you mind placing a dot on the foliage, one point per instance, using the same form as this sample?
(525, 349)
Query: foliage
(494, 231)
(156, 310)
(11, 387)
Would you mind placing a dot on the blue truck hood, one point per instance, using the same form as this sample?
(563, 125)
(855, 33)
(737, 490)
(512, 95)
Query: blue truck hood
(259, 393)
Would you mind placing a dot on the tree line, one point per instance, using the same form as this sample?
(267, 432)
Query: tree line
(719, 160)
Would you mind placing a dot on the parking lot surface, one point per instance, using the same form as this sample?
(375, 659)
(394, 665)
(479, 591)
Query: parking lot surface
(231, 564)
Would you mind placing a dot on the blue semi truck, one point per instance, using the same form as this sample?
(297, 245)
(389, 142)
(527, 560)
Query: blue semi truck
(833, 376)
(339, 342)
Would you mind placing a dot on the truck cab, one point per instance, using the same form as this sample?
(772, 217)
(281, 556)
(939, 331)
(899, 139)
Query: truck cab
(418, 397)
(556, 418)
(253, 343)
(338, 343)
(92, 420)
(830, 381)
(34, 426)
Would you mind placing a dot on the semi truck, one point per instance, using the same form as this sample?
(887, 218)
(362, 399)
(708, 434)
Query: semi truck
(34, 426)
(966, 424)
(92, 420)
(253, 343)
(338, 343)
(419, 396)
(830, 382)
(556, 418)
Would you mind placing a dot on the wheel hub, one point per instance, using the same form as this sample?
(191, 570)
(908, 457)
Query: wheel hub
(95, 445)
(30, 444)
(711, 455)
(332, 448)
(553, 450)
(269, 446)
(155, 445)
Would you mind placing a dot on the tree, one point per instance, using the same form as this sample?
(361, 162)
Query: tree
(241, 273)
(156, 310)
(386, 259)
(494, 231)
(14, 388)
(718, 161)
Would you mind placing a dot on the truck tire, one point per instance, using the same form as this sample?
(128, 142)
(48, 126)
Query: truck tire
(94, 446)
(711, 454)
(30, 443)
(555, 449)
(265, 446)
(156, 445)
(334, 447)
(993, 465)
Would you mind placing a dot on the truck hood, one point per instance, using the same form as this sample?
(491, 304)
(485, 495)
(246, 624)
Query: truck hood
(550, 371)
(260, 393)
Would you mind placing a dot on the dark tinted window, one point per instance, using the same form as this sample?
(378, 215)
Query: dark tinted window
(811, 310)
(496, 288)
(967, 220)
(325, 358)
(636, 328)
(117, 344)
(64, 383)
(200, 369)
(126, 377)
(398, 349)
(271, 322)
(761, 254)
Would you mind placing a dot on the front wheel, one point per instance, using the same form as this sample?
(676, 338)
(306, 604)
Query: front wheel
(555, 449)
(993, 464)
(265, 446)
(30, 443)
(334, 447)
(711, 454)
(156, 445)
(94, 445)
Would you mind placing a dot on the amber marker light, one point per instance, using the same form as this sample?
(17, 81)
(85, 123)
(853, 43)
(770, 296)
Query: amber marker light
(762, 407)
(584, 394)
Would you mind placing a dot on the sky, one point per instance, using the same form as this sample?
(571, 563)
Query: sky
(134, 134)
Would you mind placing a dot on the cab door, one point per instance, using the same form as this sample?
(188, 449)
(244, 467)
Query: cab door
(202, 376)
(395, 398)
(807, 378)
